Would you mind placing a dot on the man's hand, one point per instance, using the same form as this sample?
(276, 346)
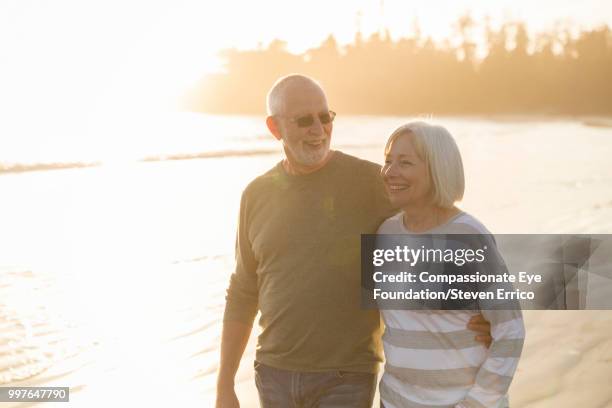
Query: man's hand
(226, 398)
(234, 338)
(483, 329)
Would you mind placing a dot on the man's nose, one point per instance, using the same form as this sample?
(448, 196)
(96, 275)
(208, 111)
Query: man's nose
(317, 127)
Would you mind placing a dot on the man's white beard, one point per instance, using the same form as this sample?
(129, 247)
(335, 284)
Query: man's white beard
(309, 158)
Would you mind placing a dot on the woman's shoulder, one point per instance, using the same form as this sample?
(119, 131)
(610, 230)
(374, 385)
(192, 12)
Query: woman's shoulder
(464, 223)
(392, 225)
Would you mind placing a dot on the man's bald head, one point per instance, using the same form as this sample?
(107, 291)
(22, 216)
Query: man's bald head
(285, 88)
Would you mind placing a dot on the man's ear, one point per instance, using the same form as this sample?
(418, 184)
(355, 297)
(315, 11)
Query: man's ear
(273, 127)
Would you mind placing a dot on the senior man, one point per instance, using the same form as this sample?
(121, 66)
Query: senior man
(298, 263)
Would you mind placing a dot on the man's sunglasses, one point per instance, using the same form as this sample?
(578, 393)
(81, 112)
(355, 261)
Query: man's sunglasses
(308, 120)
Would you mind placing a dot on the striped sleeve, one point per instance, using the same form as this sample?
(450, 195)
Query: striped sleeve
(508, 332)
(495, 375)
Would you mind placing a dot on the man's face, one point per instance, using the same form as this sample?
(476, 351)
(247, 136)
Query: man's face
(307, 145)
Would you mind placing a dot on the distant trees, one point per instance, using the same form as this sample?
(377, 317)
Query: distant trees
(551, 73)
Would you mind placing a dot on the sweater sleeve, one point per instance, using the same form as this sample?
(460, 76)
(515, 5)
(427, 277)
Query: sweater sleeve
(495, 375)
(508, 332)
(242, 293)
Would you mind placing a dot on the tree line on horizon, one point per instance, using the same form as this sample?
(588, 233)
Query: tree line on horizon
(551, 73)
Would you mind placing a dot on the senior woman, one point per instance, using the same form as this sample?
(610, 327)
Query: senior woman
(430, 359)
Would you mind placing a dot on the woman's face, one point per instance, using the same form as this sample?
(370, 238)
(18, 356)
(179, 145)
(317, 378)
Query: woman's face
(405, 175)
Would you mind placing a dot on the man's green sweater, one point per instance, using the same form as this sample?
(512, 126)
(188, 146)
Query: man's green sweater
(298, 262)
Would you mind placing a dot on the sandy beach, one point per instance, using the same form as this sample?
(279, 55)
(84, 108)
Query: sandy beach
(112, 279)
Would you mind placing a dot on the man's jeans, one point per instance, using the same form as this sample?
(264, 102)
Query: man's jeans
(331, 389)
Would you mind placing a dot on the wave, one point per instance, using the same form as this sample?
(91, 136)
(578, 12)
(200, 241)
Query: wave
(241, 153)
(211, 155)
(24, 167)
(27, 167)
(598, 123)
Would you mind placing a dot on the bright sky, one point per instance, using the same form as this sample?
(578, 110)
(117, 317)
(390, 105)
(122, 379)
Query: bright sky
(61, 60)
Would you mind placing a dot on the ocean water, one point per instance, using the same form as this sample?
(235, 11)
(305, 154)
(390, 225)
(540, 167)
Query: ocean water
(112, 277)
